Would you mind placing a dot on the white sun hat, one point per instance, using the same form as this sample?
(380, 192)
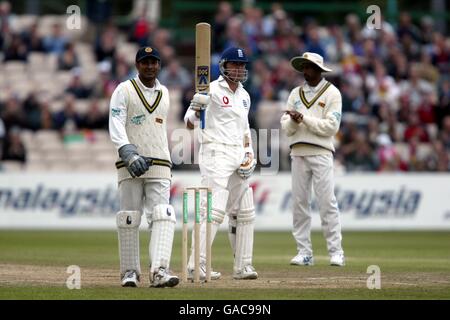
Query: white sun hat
(311, 57)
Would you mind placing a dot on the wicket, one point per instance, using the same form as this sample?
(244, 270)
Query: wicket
(196, 230)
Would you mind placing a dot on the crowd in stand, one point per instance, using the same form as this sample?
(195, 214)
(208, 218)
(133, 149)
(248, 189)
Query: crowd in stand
(394, 81)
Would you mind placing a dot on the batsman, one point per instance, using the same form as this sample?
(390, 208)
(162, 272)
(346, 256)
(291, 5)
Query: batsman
(137, 126)
(226, 160)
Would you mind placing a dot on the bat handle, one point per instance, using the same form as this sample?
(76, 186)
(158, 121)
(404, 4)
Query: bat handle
(202, 119)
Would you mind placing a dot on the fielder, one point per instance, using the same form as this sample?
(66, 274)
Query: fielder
(226, 160)
(137, 126)
(312, 119)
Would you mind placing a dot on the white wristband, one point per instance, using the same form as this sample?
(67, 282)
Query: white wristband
(193, 118)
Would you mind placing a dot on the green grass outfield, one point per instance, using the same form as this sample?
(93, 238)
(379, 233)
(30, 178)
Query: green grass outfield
(414, 265)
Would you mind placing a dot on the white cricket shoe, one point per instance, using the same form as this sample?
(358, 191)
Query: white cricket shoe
(247, 273)
(130, 279)
(162, 278)
(302, 260)
(215, 275)
(337, 260)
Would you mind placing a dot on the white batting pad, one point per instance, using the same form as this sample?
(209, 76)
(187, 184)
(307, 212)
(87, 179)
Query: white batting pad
(244, 232)
(163, 228)
(128, 230)
(219, 203)
(232, 227)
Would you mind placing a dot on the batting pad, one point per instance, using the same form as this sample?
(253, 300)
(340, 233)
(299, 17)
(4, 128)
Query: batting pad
(244, 232)
(163, 228)
(232, 227)
(128, 230)
(219, 204)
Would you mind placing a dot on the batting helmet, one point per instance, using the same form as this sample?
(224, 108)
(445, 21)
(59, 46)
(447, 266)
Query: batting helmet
(233, 54)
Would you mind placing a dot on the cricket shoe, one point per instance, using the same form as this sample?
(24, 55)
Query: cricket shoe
(162, 278)
(215, 275)
(337, 260)
(130, 279)
(302, 260)
(247, 273)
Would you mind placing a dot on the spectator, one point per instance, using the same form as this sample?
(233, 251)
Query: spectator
(32, 112)
(443, 107)
(175, 76)
(388, 157)
(68, 59)
(14, 149)
(2, 137)
(313, 43)
(105, 85)
(362, 158)
(224, 13)
(46, 116)
(13, 114)
(68, 118)
(56, 42)
(105, 48)
(141, 30)
(32, 39)
(415, 129)
(77, 88)
(95, 118)
(445, 133)
(16, 50)
(437, 159)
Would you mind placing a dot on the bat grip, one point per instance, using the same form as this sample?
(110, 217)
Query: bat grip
(202, 119)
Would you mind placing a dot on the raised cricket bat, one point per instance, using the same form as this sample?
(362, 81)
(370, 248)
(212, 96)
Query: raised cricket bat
(202, 61)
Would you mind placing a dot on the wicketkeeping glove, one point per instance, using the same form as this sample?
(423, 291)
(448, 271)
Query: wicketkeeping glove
(200, 102)
(136, 165)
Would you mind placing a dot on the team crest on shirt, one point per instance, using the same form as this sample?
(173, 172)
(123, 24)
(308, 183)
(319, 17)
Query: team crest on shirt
(138, 119)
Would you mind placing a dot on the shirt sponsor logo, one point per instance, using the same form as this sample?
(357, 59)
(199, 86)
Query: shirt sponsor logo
(225, 101)
(244, 102)
(115, 112)
(138, 119)
(297, 104)
(337, 115)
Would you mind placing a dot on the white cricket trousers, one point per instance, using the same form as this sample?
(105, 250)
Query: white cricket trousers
(307, 173)
(218, 164)
(143, 195)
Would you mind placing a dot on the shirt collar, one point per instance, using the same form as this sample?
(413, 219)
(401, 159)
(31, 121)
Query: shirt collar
(157, 85)
(224, 83)
(307, 88)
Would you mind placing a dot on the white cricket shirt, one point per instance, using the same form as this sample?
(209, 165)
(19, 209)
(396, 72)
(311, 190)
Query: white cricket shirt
(226, 116)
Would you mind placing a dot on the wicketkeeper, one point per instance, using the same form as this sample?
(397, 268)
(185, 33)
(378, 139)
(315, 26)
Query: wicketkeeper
(137, 126)
(226, 160)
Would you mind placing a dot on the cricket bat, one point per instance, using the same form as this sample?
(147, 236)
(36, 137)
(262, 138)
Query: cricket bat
(202, 61)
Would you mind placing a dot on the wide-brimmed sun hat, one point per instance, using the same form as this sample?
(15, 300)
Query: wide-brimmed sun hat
(308, 57)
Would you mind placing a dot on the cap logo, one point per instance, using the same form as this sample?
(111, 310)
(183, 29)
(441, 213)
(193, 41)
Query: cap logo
(240, 53)
(148, 49)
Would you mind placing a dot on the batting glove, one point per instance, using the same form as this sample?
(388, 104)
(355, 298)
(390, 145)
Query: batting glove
(200, 102)
(246, 170)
